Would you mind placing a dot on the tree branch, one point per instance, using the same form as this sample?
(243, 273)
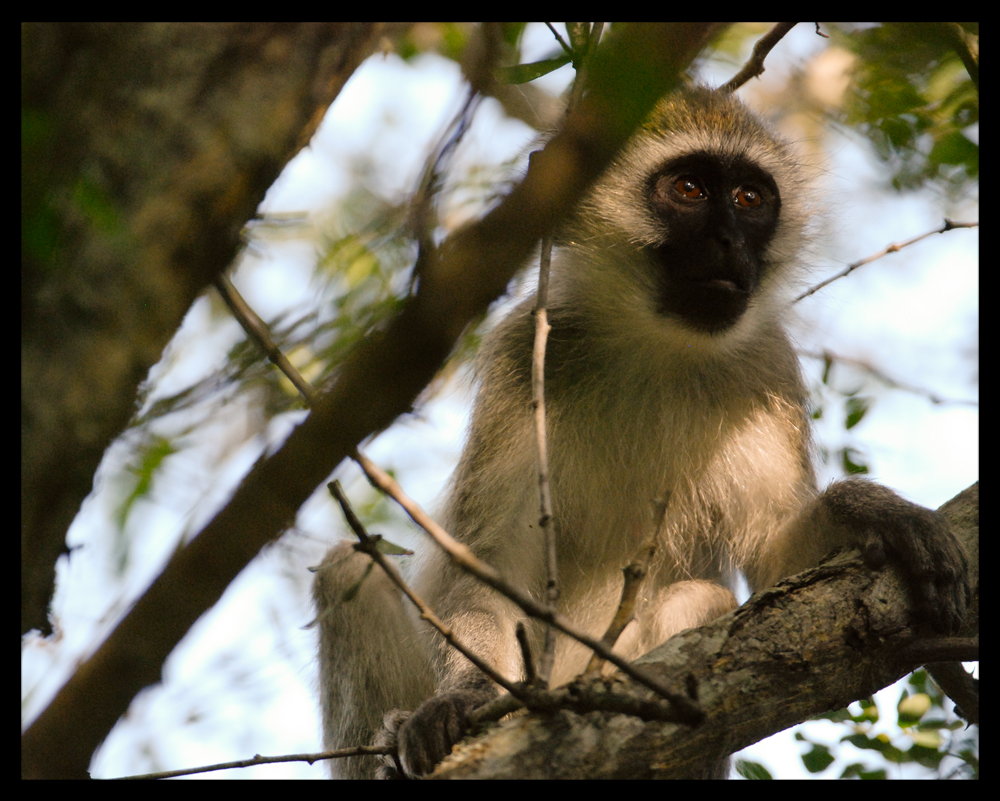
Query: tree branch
(813, 643)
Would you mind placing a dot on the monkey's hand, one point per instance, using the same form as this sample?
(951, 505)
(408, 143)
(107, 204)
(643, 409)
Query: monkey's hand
(887, 528)
(426, 736)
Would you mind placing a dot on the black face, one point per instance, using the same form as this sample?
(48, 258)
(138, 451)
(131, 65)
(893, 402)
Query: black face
(718, 218)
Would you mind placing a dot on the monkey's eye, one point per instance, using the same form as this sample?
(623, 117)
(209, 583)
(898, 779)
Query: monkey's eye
(689, 188)
(747, 197)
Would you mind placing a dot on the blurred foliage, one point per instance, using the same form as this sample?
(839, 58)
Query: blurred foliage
(926, 735)
(915, 101)
(361, 280)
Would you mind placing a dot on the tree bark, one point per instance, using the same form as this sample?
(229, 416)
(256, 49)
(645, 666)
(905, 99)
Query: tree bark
(144, 151)
(813, 643)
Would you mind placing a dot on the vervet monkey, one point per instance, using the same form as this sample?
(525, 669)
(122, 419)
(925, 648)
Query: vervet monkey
(668, 376)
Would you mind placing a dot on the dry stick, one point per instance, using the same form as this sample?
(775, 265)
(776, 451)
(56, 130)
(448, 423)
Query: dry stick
(545, 516)
(634, 573)
(357, 750)
(755, 64)
(258, 331)
(546, 520)
(521, 634)
(895, 247)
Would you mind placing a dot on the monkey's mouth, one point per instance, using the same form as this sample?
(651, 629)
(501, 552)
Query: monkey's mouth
(711, 304)
(724, 285)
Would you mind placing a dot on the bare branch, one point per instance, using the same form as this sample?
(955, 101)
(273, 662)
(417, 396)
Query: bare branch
(755, 64)
(893, 248)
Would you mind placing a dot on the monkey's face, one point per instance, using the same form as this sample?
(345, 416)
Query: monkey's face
(700, 220)
(718, 216)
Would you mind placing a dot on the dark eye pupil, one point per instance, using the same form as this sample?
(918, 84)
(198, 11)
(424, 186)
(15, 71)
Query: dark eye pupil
(688, 187)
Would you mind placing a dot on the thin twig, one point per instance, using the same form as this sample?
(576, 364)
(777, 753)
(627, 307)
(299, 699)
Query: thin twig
(546, 520)
(634, 573)
(357, 750)
(545, 514)
(521, 633)
(258, 331)
(755, 64)
(893, 248)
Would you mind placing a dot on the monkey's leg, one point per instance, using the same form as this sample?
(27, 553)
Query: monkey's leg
(671, 609)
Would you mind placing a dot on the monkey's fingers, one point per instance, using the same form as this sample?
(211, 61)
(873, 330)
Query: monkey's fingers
(428, 735)
(923, 547)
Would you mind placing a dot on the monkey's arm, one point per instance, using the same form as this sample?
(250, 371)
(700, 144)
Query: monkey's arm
(885, 528)
(485, 622)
